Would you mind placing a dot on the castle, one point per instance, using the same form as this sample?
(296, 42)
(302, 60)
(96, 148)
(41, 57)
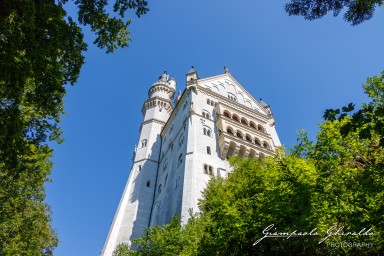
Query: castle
(184, 143)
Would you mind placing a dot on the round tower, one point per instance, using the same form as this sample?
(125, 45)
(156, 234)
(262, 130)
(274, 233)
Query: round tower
(134, 211)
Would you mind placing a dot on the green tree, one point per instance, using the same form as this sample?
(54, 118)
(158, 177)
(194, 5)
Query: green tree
(357, 11)
(41, 51)
(168, 240)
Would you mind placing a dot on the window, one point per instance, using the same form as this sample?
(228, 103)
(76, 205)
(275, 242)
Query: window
(181, 140)
(207, 131)
(139, 168)
(208, 150)
(211, 102)
(148, 183)
(260, 128)
(221, 172)
(165, 165)
(252, 124)
(208, 169)
(227, 114)
(265, 144)
(232, 97)
(185, 119)
(235, 117)
(143, 143)
(205, 114)
(229, 130)
(180, 159)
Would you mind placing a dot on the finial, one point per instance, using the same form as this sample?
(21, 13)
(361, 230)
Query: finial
(192, 70)
(226, 70)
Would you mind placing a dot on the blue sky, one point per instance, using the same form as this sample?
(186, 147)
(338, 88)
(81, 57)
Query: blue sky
(298, 67)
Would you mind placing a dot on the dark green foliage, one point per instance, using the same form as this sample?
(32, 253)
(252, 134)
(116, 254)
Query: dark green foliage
(357, 11)
(369, 119)
(41, 51)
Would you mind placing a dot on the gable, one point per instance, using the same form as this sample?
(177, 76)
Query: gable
(227, 86)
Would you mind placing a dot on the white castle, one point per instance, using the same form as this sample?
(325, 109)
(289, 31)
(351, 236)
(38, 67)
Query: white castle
(184, 143)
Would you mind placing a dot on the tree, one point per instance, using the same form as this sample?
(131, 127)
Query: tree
(357, 12)
(168, 240)
(41, 51)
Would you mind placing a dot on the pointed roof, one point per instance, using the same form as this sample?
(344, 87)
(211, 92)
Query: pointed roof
(192, 70)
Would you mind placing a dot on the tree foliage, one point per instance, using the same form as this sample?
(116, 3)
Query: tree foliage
(357, 11)
(168, 240)
(319, 187)
(41, 51)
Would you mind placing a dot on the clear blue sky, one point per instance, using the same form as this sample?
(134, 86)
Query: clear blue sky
(298, 67)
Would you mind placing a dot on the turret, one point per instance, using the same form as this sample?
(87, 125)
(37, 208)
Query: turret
(163, 88)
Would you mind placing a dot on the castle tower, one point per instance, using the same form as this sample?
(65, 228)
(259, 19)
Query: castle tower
(134, 210)
(182, 147)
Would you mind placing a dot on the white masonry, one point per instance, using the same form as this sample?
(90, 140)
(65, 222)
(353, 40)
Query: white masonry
(184, 143)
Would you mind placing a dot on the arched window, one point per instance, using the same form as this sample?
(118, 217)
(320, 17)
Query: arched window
(206, 114)
(208, 101)
(148, 183)
(232, 97)
(227, 114)
(257, 142)
(208, 150)
(239, 135)
(181, 140)
(252, 124)
(260, 128)
(207, 131)
(248, 138)
(165, 164)
(265, 144)
(139, 168)
(244, 121)
(143, 143)
(180, 159)
(208, 169)
(230, 131)
(235, 117)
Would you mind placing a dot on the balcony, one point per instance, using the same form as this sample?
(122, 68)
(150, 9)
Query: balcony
(242, 135)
